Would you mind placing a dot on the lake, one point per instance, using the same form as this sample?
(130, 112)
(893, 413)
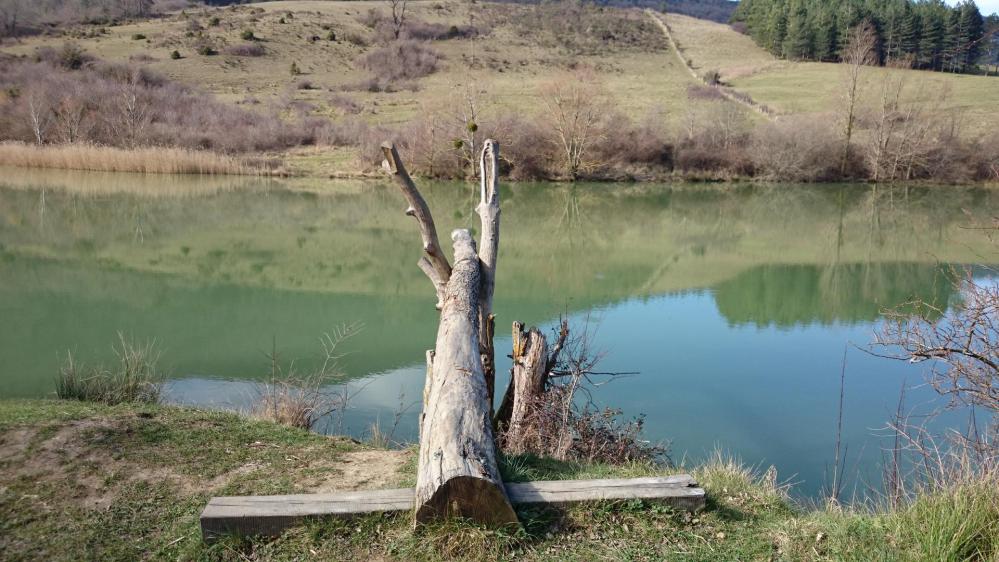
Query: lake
(734, 303)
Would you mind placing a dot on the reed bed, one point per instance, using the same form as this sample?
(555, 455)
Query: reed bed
(146, 160)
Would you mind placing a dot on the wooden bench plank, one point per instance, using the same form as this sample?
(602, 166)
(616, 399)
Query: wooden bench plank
(270, 515)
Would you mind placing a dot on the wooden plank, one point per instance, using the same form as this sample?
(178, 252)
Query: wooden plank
(680, 490)
(270, 515)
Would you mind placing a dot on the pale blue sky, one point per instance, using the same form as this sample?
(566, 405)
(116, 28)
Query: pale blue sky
(985, 6)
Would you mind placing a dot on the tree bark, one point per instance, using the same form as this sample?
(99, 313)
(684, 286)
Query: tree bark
(489, 213)
(457, 472)
(529, 372)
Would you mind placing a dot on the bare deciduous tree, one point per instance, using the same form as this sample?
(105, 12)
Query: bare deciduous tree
(575, 109)
(13, 13)
(467, 107)
(860, 51)
(132, 113)
(398, 8)
(71, 116)
(39, 115)
(962, 343)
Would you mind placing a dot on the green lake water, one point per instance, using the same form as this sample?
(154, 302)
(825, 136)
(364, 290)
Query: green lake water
(733, 303)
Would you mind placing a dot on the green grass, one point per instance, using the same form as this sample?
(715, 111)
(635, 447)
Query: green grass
(793, 88)
(85, 481)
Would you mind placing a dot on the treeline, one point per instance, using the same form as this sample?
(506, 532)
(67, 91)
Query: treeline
(925, 34)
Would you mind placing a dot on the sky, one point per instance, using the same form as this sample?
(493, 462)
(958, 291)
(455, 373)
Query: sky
(985, 6)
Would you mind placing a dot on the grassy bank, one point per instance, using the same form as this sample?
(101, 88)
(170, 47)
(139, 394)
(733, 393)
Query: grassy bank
(82, 481)
(147, 160)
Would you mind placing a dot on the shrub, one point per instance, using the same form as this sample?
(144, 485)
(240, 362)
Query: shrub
(345, 103)
(295, 71)
(304, 85)
(135, 379)
(214, 21)
(401, 60)
(138, 36)
(331, 36)
(704, 93)
(424, 31)
(70, 56)
(355, 38)
(246, 50)
(804, 149)
(206, 50)
(247, 35)
(171, 115)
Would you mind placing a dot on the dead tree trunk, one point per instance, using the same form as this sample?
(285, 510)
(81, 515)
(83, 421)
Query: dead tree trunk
(457, 473)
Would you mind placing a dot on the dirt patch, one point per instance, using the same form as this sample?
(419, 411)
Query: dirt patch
(77, 453)
(83, 458)
(364, 470)
(14, 443)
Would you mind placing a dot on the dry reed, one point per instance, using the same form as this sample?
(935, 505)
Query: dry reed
(146, 160)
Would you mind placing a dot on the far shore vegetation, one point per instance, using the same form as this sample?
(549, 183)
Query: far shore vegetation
(579, 92)
(148, 160)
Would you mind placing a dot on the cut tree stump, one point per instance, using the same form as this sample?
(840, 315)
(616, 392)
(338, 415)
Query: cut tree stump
(270, 515)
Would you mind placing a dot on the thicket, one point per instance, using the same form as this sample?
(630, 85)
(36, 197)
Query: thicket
(579, 135)
(928, 34)
(65, 96)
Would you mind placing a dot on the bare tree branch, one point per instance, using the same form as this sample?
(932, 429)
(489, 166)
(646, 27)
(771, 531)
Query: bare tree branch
(434, 261)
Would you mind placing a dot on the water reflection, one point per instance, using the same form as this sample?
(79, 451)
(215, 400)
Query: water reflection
(734, 302)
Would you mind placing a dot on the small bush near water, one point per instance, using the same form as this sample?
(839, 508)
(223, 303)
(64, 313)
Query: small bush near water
(134, 379)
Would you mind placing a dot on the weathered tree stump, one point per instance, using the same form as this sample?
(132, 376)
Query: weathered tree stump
(457, 472)
(533, 362)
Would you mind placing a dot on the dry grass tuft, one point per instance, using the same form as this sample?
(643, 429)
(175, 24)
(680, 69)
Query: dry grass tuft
(135, 380)
(147, 160)
(302, 401)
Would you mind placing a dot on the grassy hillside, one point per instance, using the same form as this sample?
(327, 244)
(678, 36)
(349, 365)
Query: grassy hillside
(329, 80)
(82, 481)
(513, 50)
(503, 59)
(793, 88)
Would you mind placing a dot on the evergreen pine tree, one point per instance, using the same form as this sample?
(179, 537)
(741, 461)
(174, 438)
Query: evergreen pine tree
(777, 27)
(952, 46)
(972, 32)
(931, 40)
(909, 33)
(799, 40)
(824, 33)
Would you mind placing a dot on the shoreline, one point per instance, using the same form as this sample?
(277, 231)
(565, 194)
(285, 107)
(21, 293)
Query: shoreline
(178, 162)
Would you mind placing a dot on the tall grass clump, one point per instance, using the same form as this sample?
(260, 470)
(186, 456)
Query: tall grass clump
(134, 379)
